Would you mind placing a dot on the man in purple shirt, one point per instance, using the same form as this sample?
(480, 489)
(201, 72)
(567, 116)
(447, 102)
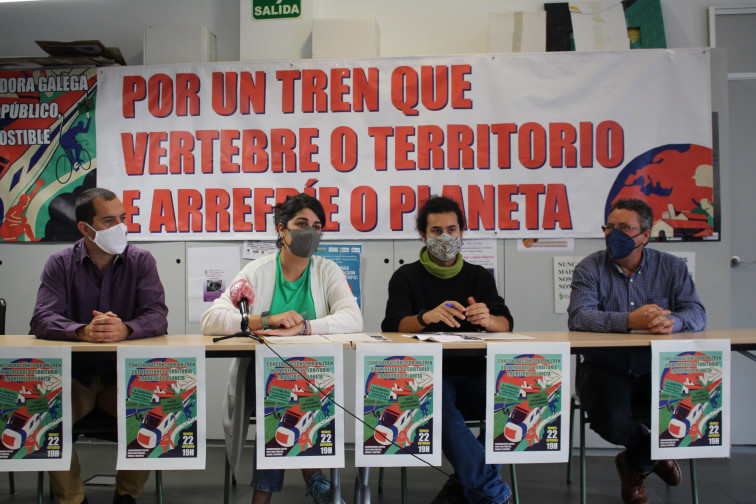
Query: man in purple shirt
(101, 290)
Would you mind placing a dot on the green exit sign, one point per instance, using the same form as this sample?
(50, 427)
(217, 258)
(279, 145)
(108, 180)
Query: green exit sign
(276, 9)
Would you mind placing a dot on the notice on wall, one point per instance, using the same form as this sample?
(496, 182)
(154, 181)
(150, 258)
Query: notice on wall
(483, 253)
(210, 270)
(690, 403)
(35, 400)
(161, 407)
(563, 268)
(348, 257)
(527, 402)
(299, 424)
(398, 405)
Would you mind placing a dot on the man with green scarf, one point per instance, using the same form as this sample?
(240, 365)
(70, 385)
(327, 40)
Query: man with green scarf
(441, 293)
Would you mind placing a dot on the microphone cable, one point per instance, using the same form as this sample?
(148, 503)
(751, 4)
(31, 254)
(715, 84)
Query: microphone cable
(252, 334)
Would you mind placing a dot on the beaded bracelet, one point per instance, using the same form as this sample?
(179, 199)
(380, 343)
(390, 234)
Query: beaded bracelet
(305, 327)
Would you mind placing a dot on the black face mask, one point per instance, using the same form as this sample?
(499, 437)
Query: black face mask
(304, 242)
(619, 245)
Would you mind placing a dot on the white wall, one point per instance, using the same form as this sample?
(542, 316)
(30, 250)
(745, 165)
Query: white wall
(406, 28)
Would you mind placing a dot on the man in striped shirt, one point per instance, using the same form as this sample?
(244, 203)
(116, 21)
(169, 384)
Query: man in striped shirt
(624, 288)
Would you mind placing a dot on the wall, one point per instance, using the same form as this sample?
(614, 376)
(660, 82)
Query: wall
(406, 28)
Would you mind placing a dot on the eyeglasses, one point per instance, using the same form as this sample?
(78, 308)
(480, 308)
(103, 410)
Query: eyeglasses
(625, 228)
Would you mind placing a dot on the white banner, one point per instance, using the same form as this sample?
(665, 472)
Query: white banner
(532, 145)
(690, 400)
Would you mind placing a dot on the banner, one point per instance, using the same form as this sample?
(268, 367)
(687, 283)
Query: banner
(690, 402)
(299, 424)
(398, 405)
(532, 145)
(161, 408)
(35, 409)
(528, 402)
(48, 153)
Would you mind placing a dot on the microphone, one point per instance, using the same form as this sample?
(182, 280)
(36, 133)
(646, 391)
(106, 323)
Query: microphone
(242, 295)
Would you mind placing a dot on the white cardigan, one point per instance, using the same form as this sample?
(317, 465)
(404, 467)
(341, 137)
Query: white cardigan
(336, 311)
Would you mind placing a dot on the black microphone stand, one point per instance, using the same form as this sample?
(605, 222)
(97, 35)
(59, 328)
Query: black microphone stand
(245, 332)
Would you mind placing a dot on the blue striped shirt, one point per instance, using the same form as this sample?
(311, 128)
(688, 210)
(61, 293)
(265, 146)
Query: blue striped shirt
(603, 297)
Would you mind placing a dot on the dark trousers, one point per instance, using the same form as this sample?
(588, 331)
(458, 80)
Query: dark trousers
(619, 410)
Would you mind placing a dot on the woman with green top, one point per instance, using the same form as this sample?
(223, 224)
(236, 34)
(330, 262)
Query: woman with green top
(296, 292)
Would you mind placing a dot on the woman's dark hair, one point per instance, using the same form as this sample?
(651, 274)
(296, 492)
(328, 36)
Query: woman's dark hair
(84, 206)
(438, 204)
(283, 212)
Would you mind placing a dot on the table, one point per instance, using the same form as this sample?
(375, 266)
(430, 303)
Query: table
(580, 342)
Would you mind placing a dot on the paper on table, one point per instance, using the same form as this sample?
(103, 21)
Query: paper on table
(283, 340)
(357, 337)
(477, 336)
(504, 336)
(445, 337)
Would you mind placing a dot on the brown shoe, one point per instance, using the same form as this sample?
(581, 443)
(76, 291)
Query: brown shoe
(632, 481)
(669, 472)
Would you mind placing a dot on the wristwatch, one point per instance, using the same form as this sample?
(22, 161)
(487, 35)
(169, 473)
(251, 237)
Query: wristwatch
(420, 317)
(264, 320)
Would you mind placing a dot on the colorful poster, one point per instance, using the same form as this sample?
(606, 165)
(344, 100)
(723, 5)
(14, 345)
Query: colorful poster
(48, 152)
(398, 405)
(161, 407)
(299, 394)
(690, 401)
(35, 412)
(528, 402)
(539, 156)
(348, 257)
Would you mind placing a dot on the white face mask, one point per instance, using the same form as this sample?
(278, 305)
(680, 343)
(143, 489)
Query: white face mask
(112, 240)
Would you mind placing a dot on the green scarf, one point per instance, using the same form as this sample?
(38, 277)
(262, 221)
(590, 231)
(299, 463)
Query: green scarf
(442, 272)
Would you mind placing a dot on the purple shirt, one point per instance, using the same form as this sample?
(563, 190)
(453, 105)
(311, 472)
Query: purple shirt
(72, 288)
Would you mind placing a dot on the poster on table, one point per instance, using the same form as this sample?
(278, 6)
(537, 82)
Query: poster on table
(161, 407)
(540, 156)
(298, 393)
(690, 402)
(527, 402)
(48, 151)
(398, 404)
(35, 408)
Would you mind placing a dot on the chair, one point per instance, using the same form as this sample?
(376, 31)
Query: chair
(98, 424)
(229, 480)
(477, 423)
(11, 480)
(576, 406)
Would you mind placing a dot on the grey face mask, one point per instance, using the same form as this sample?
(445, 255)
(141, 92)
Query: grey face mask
(304, 242)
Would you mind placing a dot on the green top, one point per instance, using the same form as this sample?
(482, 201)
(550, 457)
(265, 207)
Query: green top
(295, 295)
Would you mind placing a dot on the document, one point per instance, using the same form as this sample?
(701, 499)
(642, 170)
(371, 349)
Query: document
(35, 396)
(398, 398)
(299, 422)
(527, 402)
(691, 399)
(161, 407)
(466, 336)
